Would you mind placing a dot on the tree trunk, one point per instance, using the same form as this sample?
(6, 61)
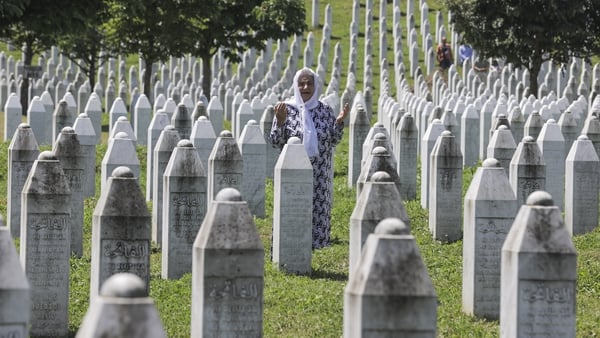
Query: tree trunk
(206, 75)
(25, 82)
(92, 71)
(534, 71)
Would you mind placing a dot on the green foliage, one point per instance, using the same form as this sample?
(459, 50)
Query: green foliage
(527, 33)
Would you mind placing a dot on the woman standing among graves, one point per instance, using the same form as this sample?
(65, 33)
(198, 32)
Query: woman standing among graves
(314, 122)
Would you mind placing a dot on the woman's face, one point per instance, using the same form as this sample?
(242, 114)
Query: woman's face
(306, 84)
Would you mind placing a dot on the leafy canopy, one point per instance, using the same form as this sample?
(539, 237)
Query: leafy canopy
(528, 33)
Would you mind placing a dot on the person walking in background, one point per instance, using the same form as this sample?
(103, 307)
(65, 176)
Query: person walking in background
(315, 123)
(444, 54)
(465, 52)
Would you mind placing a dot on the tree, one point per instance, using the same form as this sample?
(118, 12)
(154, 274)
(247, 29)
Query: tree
(236, 26)
(39, 25)
(146, 27)
(83, 46)
(528, 33)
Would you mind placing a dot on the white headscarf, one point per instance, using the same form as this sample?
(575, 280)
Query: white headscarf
(309, 136)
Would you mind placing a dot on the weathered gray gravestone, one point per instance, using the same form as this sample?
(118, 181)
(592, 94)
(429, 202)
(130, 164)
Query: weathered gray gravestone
(14, 289)
(390, 292)
(68, 151)
(203, 137)
(538, 274)
(158, 123)
(167, 141)
(379, 199)
(502, 147)
(215, 114)
(490, 209)
(184, 204)
(120, 152)
(12, 115)
(406, 156)
(429, 139)
(292, 209)
(182, 121)
(40, 121)
(225, 167)
(527, 169)
(591, 129)
(93, 109)
(121, 231)
(61, 118)
(87, 140)
(45, 245)
(552, 145)
(123, 126)
(380, 160)
(117, 109)
(253, 149)
(469, 136)
(359, 129)
(227, 273)
(22, 152)
(445, 197)
(143, 115)
(582, 169)
(533, 124)
(123, 309)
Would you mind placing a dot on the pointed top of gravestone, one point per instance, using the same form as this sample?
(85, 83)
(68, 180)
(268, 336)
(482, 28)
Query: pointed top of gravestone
(294, 140)
(491, 163)
(47, 156)
(528, 139)
(124, 285)
(551, 121)
(228, 195)
(122, 118)
(446, 133)
(503, 127)
(83, 116)
(24, 126)
(169, 127)
(226, 133)
(381, 176)
(185, 143)
(122, 172)
(380, 151)
(540, 198)
(67, 130)
(122, 135)
(582, 137)
(392, 226)
(380, 137)
(252, 123)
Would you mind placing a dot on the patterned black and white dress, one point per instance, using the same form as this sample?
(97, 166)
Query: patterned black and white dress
(329, 134)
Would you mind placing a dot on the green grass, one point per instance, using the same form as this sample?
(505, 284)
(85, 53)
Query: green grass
(312, 306)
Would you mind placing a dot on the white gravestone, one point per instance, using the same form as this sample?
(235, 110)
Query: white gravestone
(60, 119)
(15, 291)
(359, 129)
(120, 152)
(143, 115)
(502, 147)
(538, 273)
(527, 169)
(182, 121)
(215, 114)
(167, 141)
(582, 170)
(87, 140)
(93, 109)
(40, 121)
(22, 152)
(292, 209)
(253, 149)
(121, 231)
(228, 270)
(552, 145)
(68, 151)
(123, 126)
(45, 245)
(225, 167)
(158, 123)
(184, 203)
(12, 115)
(378, 200)
(123, 308)
(203, 137)
(406, 155)
(445, 196)
(429, 139)
(266, 122)
(390, 291)
(489, 211)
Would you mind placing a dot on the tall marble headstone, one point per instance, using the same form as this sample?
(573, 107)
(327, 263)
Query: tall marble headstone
(490, 208)
(87, 140)
(45, 245)
(159, 121)
(292, 209)
(253, 149)
(359, 128)
(406, 154)
(121, 231)
(120, 152)
(203, 137)
(22, 152)
(184, 204)
(12, 115)
(527, 169)
(225, 167)
(227, 273)
(391, 291)
(538, 273)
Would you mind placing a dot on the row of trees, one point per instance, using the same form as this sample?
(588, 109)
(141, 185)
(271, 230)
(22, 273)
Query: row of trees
(528, 33)
(88, 31)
